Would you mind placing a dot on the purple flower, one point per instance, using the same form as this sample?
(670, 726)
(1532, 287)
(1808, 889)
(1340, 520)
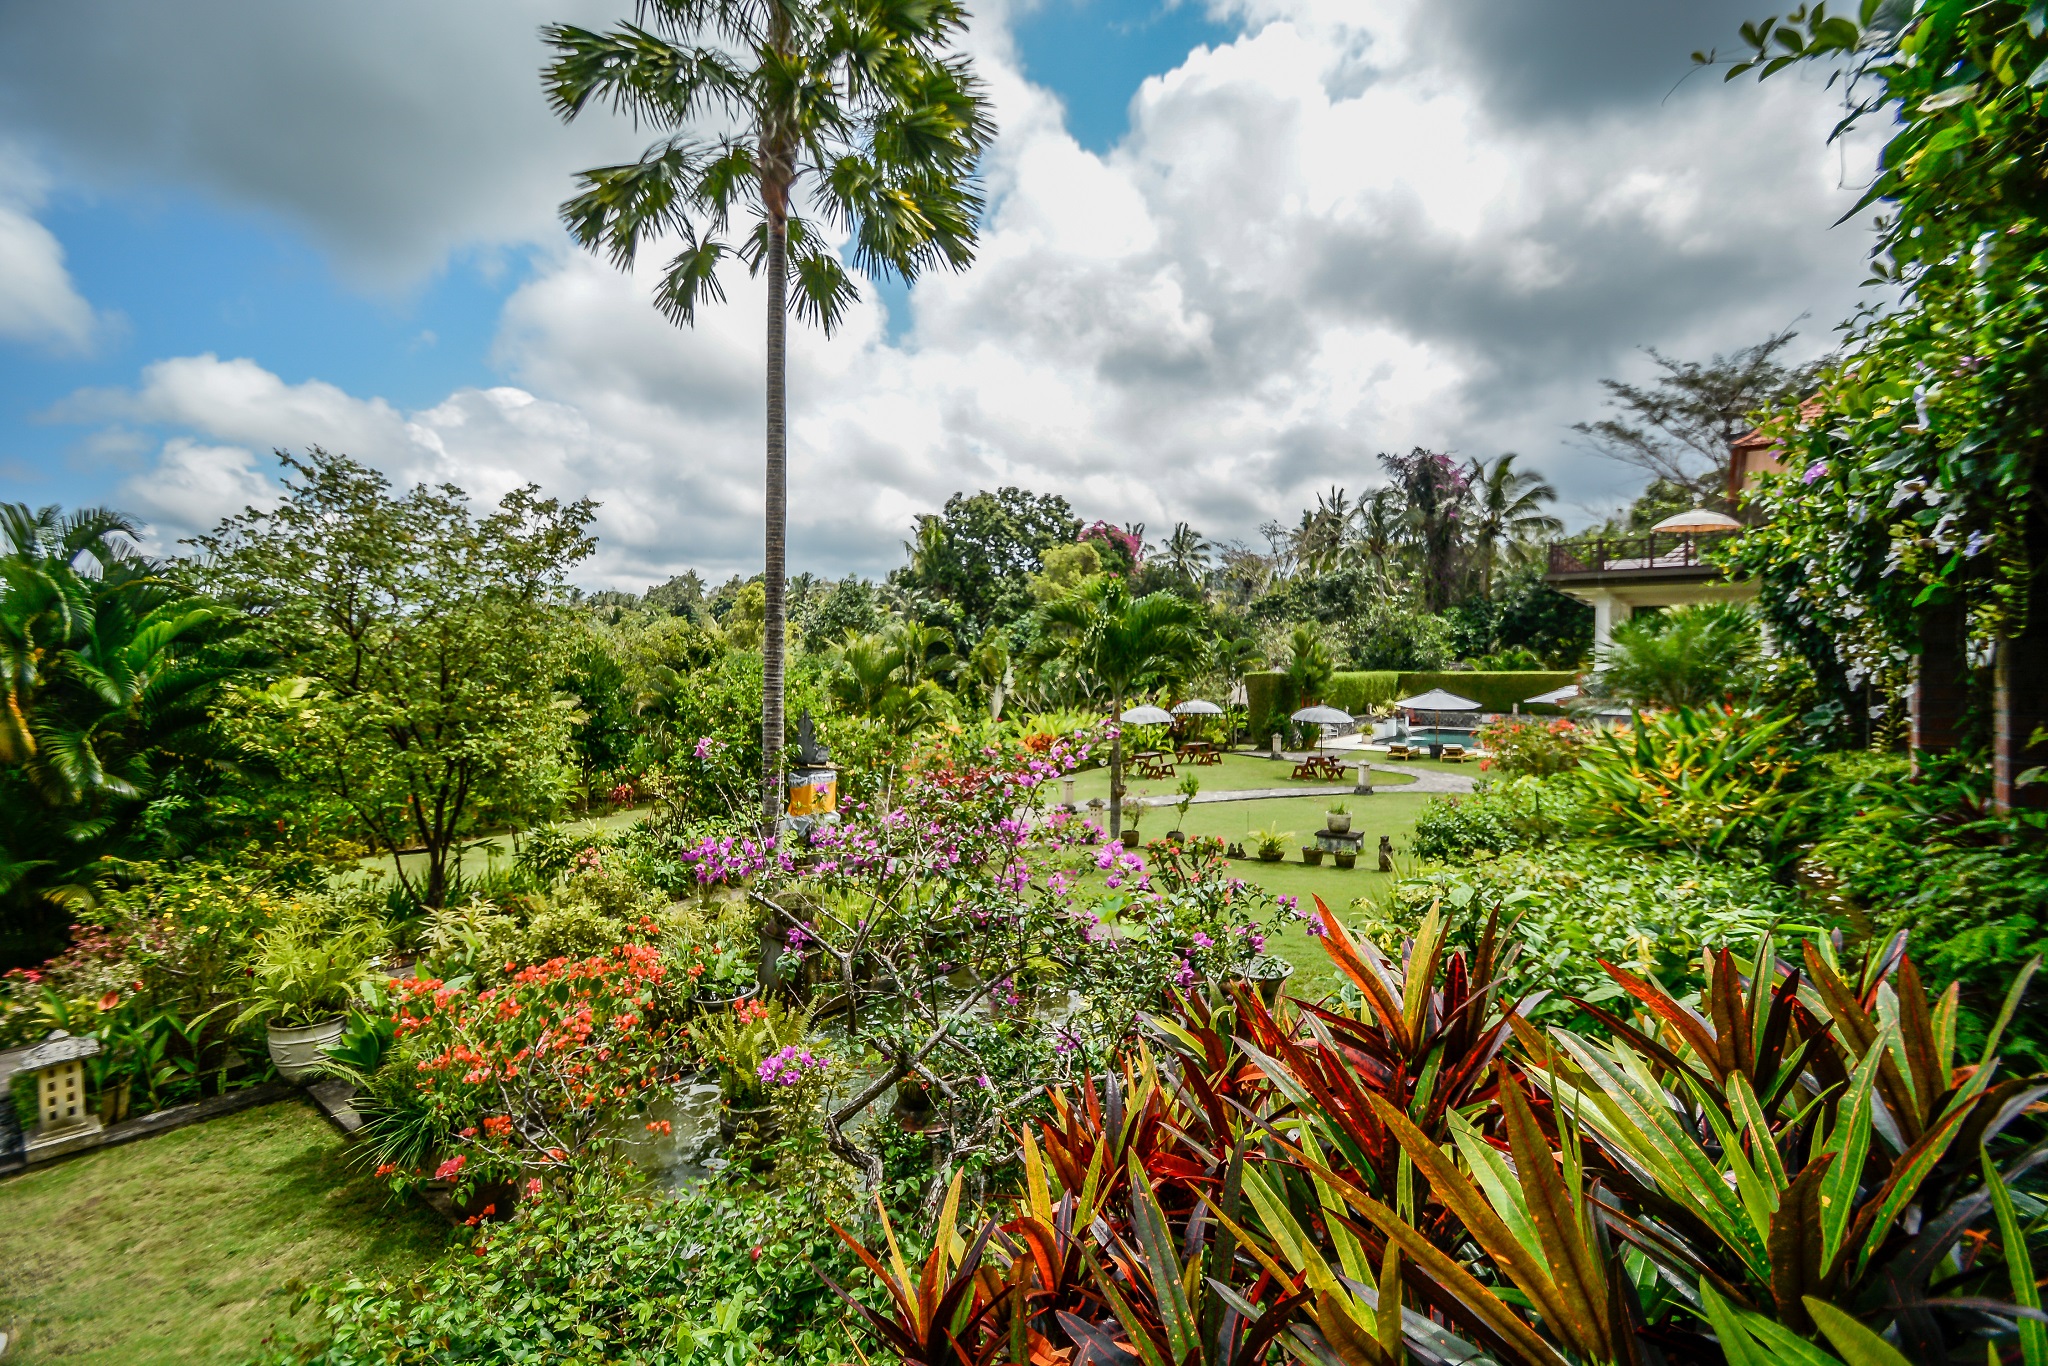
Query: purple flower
(1816, 470)
(1203, 941)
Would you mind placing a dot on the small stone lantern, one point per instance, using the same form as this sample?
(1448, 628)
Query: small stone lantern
(64, 1122)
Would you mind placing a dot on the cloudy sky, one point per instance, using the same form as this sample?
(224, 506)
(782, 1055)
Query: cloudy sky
(1232, 252)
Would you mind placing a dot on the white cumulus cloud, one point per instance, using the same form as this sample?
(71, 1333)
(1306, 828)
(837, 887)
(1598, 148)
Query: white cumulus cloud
(1331, 237)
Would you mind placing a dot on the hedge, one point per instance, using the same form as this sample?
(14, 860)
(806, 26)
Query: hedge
(1492, 691)
(1270, 696)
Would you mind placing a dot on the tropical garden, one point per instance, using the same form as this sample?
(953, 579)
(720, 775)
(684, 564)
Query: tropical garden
(1700, 1029)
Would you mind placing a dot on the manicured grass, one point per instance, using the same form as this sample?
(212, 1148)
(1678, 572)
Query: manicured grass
(478, 857)
(177, 1248)
(1237, 773)
(1383, 813)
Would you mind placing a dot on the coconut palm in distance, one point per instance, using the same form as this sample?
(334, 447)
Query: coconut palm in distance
(1507, 506)
(1124, 644)
(850, 109)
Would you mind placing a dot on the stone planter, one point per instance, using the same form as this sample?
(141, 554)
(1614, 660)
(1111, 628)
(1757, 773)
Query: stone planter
(296, 1052)
(1337, 822)
(113, 1103)
(1345, 860)
(1129, 838)
(750, 1126)
(1271, 855)
(1272, 975)
(1311, 855)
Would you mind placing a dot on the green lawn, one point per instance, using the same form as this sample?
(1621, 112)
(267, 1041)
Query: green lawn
(1237, 773)
(1383, 813)
(176, 1249)
(479, 856)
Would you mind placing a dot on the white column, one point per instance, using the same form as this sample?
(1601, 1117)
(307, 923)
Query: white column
(1608, 613)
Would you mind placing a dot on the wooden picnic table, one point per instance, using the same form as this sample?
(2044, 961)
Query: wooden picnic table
(1151, 763)
(1319, 766)
(1199, 752)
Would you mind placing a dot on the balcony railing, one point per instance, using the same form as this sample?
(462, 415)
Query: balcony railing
(1653, 552)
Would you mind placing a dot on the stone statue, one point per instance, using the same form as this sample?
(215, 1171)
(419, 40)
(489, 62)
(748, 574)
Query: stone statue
(809, 752)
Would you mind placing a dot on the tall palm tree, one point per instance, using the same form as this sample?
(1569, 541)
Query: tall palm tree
(1124, 644)
(1507, 505)
(850, 107)
(1186, 553)
(1381, 527)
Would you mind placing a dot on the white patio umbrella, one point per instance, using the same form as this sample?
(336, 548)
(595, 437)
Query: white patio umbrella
(1195, 706)
(1436, 699)
(1146, 716)
(1555, 697)
(1321, 717)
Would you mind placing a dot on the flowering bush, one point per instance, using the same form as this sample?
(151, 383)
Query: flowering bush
(488, 1084)
(1526, 745)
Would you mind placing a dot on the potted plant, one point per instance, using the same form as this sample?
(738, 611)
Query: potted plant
(752, 1046)
(302, 979)
(1345, 858)
(1337, 820)
(1271, 844)
(1190, 787)
(1130, 831)
(1312, 855)
(1266, 975)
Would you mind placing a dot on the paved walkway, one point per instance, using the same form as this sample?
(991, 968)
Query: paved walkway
(1428, 781)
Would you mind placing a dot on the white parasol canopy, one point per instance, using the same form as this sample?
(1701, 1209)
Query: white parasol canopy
(1697, 520)
(1555, 697)
(1322, 716)
(1436, 699)
(1195, 706)
(1146, 716)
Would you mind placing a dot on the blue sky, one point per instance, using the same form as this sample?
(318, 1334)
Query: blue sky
(178, 273)
(1327, 230)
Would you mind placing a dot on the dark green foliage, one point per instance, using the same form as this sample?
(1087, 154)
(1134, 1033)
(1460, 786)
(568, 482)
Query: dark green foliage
(1514, 813)
(681, 596)
(1385, 635)
(1526, 612)
(848, 606)
(602, 1272)
(608, 728)
(1328, 598)
(107, 667)
(1924, 854)
(1568, 905)
(978, 552)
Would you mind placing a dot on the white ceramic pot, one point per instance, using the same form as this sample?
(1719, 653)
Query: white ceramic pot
(1337, 822)
(298, 1051)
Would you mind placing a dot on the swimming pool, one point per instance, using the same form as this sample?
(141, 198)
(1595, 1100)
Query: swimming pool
(1420, 736)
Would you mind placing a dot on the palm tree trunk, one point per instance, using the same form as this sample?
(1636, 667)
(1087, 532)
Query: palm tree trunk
(1116, 773)
(773, 631)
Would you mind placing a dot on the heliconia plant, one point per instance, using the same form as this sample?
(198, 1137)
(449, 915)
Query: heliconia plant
(1792, 1167)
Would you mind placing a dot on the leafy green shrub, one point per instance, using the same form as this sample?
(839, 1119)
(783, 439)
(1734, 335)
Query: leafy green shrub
(1706, 780)
(1691, 656)
(1527, 745)
(1569, 905)
(1511, 814)
(1922, 854)
(605, 1270)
